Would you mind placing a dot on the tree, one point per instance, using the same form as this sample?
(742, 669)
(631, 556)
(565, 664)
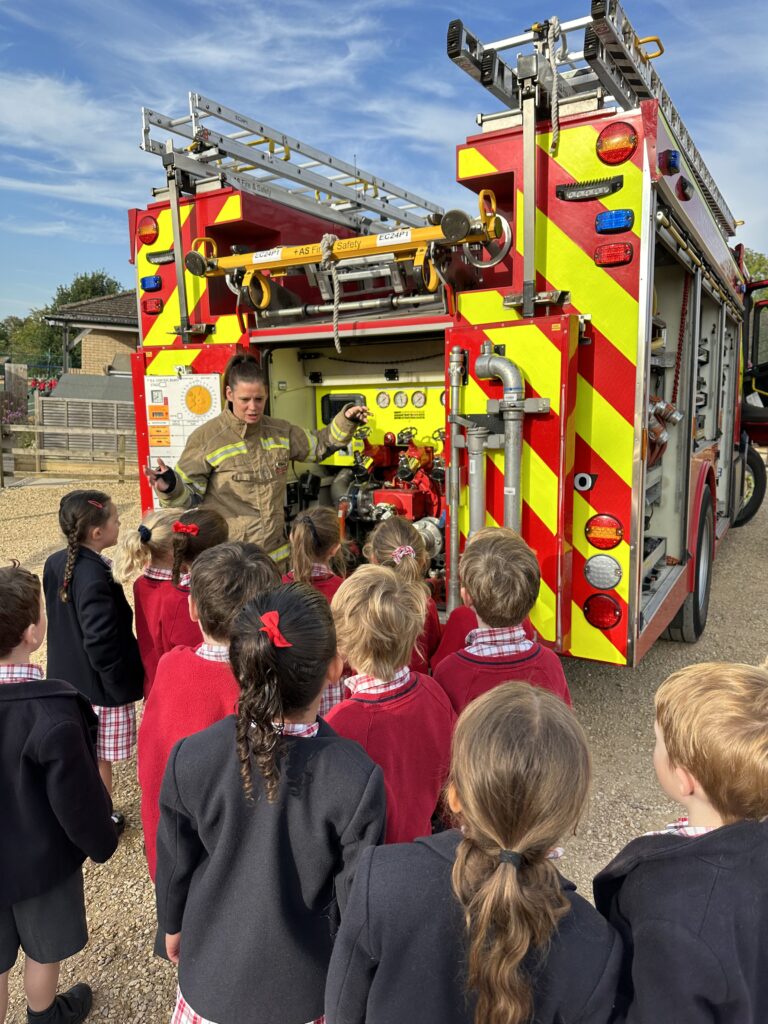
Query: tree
(757, 265)
(35, 342)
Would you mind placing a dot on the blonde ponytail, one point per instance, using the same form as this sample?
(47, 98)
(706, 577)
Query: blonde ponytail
(520, 772)
(152, 540)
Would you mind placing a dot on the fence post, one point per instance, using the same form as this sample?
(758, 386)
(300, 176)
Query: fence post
(38, 436)
(121, 458)
(2, 458)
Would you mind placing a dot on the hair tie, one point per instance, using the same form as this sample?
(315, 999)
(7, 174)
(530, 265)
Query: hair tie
(191, 528)
(145, 534)
(404, 551)
(271, 627)
(312, 529)
(511, 857)
(96, 504)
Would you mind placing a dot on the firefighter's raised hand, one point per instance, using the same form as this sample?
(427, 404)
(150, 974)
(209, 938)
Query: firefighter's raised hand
(357, 413)
(159, 477)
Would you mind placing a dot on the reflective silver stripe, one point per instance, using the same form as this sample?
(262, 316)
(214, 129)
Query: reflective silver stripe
(189, 482)
(281, 553)
(313, 442)
(216, 458)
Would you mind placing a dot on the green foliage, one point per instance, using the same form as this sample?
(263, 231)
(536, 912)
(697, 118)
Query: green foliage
(757, 265)
(32, 341)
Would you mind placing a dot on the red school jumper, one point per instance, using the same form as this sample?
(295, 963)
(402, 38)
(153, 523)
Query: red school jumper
(405, 726)
(428, 642)
(192, 690)
(464, 675)
(462, 621)
(162, 620)
(326, 581)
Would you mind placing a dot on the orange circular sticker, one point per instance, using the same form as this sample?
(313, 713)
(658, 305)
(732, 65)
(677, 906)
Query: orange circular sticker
(198, 399)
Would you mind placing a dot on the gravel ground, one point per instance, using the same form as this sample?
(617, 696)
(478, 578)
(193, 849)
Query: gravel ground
(615, 705)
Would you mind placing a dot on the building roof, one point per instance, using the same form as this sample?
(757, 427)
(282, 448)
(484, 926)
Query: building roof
(106, 310)
(94, 386)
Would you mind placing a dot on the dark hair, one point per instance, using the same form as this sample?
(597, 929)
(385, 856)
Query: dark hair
(19, 605)
(275, 681)
(79, 513)
(313, 534)
(224, 579)
(520, 769)
(211, 530)
(243, 368)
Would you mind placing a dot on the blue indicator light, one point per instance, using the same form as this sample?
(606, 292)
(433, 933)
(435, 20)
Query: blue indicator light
(669, 161)
(151, 284)
(612, 221)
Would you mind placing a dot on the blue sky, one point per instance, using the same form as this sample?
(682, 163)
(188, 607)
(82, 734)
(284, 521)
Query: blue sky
(365, 79)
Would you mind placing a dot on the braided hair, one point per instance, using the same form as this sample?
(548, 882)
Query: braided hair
(277, 680)
(79, 513)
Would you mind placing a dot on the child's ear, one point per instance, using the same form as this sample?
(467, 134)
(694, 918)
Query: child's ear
(334, 550)
(452, 799)
(335, 668)
(687, 783)
(192, 609)
(465, 598)
(34, 635)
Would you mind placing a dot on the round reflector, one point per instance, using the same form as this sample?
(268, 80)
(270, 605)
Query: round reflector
(602, 572)
(602, 611)
(616, 143)
(147, 230)
(604, 532)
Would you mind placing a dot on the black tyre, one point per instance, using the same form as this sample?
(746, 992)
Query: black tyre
(754, 487)
(688, 625)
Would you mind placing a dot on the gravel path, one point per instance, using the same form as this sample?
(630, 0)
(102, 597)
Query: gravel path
(615, 705)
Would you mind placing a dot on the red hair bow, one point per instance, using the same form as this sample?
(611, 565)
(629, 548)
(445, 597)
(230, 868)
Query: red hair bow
(271, 627)
(191, 528)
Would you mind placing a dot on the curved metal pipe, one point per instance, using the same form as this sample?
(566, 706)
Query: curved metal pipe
(488, 365)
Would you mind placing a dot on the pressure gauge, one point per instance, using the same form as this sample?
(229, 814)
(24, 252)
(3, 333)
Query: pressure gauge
(401, 399)
(442, 398)
(382, 399)
(419, 399)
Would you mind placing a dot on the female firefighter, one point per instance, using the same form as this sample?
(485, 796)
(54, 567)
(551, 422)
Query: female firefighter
(237, 463)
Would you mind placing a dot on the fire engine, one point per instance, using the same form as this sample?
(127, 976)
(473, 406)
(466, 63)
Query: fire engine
(563, 358)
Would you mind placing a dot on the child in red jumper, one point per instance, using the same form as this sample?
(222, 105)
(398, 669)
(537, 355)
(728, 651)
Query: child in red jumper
(195, 687)
(500, 580)
(402, 718)
(316, 551)
(397, 544)
(158, 606)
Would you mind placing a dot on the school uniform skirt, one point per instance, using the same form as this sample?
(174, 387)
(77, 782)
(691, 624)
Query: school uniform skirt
(116, 736)
(184, 1014)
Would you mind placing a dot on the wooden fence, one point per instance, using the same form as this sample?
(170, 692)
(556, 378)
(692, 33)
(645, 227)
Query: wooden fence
(99, 437)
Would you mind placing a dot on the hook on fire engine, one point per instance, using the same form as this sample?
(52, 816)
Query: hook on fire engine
(650, 39)
(259, 289)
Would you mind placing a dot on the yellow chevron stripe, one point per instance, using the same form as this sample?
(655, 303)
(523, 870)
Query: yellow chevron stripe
(536, 355)
(472, 163)
(588, 642)
(163, 329)
(576, 155)
(568, 267)
(582, 510)
(164, 363)
(484, 307)
(604, 429)
(544, 613)
(231, 210)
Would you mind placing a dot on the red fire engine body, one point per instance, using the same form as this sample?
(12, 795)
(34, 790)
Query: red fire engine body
(565, 361)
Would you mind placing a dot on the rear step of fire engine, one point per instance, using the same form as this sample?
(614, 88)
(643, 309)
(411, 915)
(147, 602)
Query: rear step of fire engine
(613, 58)
(262, 161)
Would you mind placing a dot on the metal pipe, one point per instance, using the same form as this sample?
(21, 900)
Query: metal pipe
(453, 484)
(511, 408)
(527, 71)
(476, 438)
(178, 255)
(392, 302)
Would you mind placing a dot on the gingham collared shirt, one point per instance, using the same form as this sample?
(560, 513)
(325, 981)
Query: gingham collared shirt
(492, 643)
(370, 684)
(152, 572)
(20, 673)
(682, 828)
(304, 730)
(320, 572)
(213, 652)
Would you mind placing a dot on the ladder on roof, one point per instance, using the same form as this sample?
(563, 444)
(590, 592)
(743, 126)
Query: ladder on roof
(262, 161)
(612, 58)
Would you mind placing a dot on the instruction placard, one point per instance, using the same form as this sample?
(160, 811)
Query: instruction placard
(175, 407)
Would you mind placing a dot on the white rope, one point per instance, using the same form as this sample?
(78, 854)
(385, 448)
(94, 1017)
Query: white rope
(329, 263)
(552, 33)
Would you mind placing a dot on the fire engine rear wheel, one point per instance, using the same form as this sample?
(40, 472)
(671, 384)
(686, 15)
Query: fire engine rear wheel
(754, 487)
(688, 625)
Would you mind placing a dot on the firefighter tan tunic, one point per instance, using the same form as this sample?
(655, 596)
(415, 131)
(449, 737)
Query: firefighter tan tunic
(240, 470)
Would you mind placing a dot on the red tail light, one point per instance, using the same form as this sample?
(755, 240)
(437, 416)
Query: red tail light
(147, 230)
(616, 143)
(152, 306)
(614, 254)
(602, 611)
